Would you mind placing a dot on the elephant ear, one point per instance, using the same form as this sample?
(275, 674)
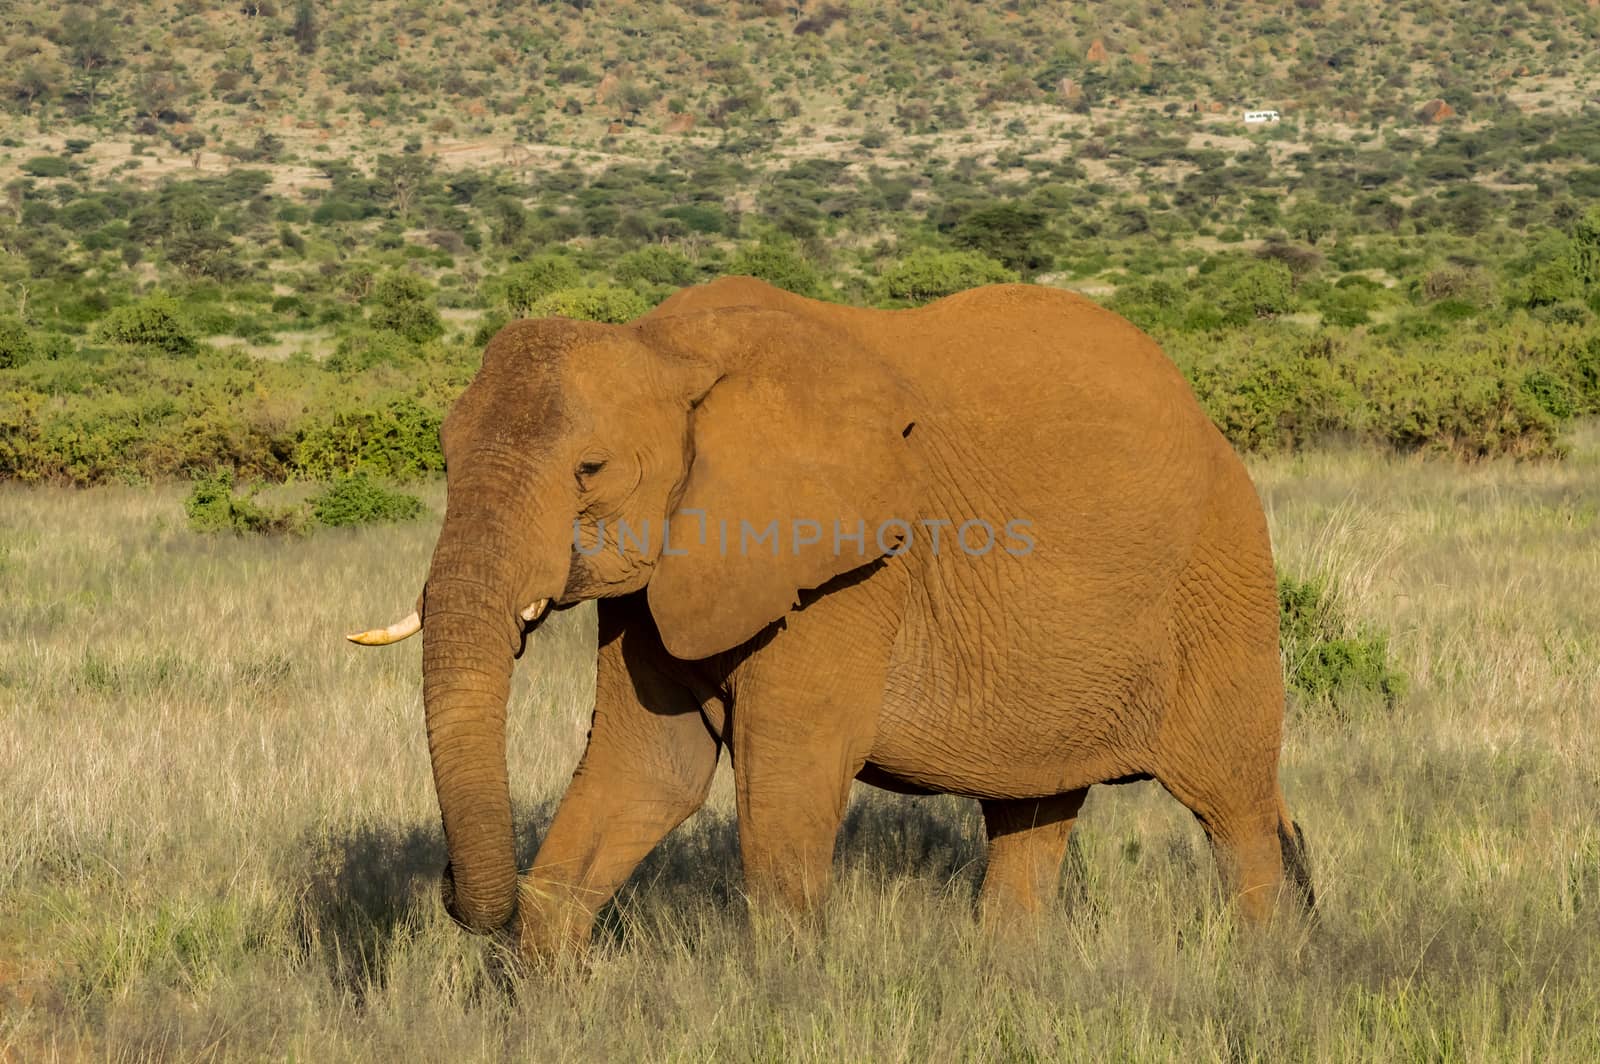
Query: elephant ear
(803, 469)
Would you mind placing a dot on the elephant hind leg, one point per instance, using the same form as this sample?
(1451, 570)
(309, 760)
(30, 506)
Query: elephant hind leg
(1218, 755)
(1251, 858)
(1258, 850)
(1027, 841)
(1217, 746)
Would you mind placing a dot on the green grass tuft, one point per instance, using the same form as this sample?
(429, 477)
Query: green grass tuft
(1330, 660)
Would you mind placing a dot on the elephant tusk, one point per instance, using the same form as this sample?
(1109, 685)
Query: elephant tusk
(534, 612)
(404, 628)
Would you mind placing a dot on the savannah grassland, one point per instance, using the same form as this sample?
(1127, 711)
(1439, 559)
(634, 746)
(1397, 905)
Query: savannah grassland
(222, 842)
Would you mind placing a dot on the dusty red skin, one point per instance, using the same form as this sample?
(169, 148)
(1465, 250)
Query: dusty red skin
(1137, 638)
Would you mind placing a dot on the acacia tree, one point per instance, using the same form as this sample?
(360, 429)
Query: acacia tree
(404, 175)
(34, 80)
(91, 40)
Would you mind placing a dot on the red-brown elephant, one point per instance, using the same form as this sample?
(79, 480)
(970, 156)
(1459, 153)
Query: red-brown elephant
(988, 547)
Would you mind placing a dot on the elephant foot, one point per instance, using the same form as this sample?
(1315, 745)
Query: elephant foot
(555, 921)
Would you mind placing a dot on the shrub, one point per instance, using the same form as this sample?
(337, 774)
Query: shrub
(779, 263)
(212, 506)
(403, 303)
(1555, 396)
(210, 319)
(1468, 390)
(358, 500)
(1583, 370)
(1261, 289)
(1265, 392)
(1462, 283)
(1456, 395)
(708, 218)
(154, 323)
(398, 440)
(1328, 659)
(526, 283)
(364, 348)
(1347, 306)
(924, 276)
(47, 166)
(602, 303)
(332, 210)
(1009, 232)
(1151, 304)
(16, 343)
(655, 265)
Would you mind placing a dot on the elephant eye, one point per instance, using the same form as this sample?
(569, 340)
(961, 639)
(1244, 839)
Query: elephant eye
(590, 468)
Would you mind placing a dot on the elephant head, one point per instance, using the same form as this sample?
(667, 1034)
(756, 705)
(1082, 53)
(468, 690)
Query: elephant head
(588, 460)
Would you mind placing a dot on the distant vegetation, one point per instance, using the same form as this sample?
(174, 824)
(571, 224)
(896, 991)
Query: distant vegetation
(275, 241)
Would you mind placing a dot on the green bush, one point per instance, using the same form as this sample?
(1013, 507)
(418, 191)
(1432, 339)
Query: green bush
(924, 276)
(362, 349)
(1155, 303)
(1264, 390)
(603, 303)
(1347, 306)
(403, 303)
(1331, 662)
(528, 282)
(16, 343)
(1261, 289)
(358, 500)
(330, 211)
(210, 319)
(1582, 368)
(655, 265)
(1555, 395)
(779, 263)
(47, 166)
(1009, 232)
(1463, 390)
(153, 323)
(397, 440)
(213, 506)
(708, 218)
(120, 416)
(1462, 394)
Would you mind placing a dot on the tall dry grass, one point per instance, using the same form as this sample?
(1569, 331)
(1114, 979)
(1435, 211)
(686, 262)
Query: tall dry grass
(220, 839)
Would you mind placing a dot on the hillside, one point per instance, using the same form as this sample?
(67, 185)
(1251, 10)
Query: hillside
(565, 72)
(364, 192)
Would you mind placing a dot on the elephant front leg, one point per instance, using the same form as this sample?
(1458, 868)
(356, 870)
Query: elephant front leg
(791, 793)
(806, 711)
(647, 767)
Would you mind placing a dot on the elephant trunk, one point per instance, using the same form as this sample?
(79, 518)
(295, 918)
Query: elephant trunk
(470, 637)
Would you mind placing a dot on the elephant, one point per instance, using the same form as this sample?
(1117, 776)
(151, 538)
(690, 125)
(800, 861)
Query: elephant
(989, 547)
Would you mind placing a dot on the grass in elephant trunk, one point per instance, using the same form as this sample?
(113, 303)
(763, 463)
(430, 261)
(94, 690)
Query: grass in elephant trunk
(222, 838)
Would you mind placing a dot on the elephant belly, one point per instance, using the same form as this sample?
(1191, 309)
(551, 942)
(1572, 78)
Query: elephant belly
(877, 776)
(1013, 712)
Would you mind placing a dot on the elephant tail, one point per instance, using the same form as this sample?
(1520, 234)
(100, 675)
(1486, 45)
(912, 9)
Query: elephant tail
(1296, 861)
